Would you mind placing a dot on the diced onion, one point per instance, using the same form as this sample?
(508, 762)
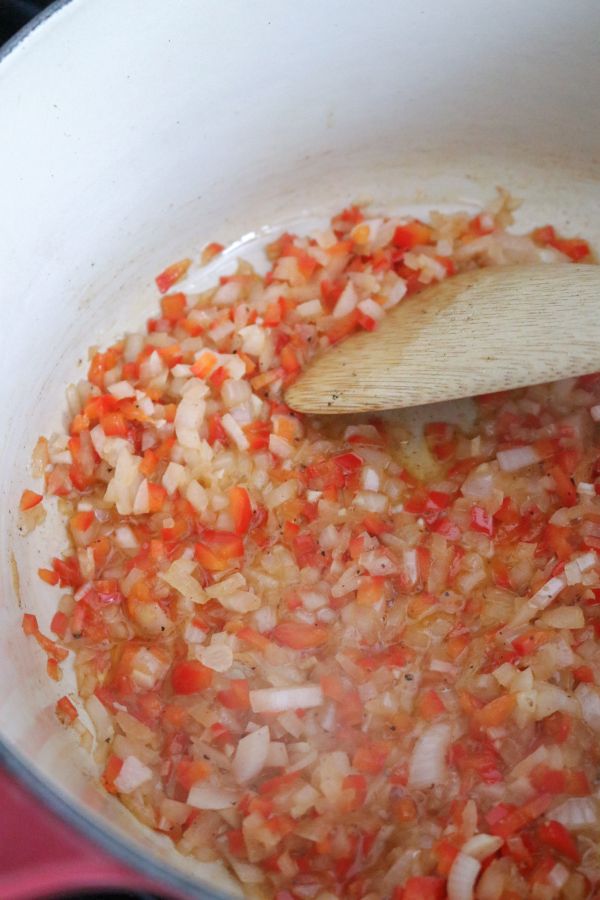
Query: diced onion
(226, 586)
(251, 755)
(480, 846)
(577, 812)
(517, 458)
(564, 617)
(462, 877)
(427, 765)
(235, 432)
(208, 796)
(312, 309)
(190, 415)
(280, 699)
(179, 576)
(175, 476)
(218, 657)
(280, 447)
(589, 701)
(121, 390)
(132, 775)
(240, 601)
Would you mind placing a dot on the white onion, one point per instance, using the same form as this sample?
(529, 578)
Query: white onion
(101, 718)
(179, 576)
(146, 669)
(347, 301)
(194, 635)
(558, 876)
(377, 562)
(235, 392)
(189, 415)
(226, 586)
(372, 309)
(563, 617)
(480, 846)
(253, 339)
(550, 699)
(125, 538)
(218, 657)
(141, 503)
(577, 812)
(312, 600)
(246, 872)
(517, 458)
(197, 496)
(595, 412)
(152, 367)
(396, 293)
(369, 479)
(134, 344)
(121, 390)
(493, 881)
(132, 775)
(428, 759)
(589, 701)
(410, 564)
(208, 796)
(235, 432)
(124, 484)
(281, 699)
(175, 476)
(228, 293)
(328, 537)
(371, 501)
(240, 601)
(540, 600)
(281, 494)
(221, 330)
(280, 447)
(251, 755)
(479, 484)
(312, 309)
(277, 755)
(462, 877)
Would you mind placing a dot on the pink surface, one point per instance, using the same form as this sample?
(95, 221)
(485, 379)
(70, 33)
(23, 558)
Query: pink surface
(41, 856)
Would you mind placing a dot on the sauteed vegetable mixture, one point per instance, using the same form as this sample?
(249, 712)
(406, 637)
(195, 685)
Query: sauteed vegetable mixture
(346, 661)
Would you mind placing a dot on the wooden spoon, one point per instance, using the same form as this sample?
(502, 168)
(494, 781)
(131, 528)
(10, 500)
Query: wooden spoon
(481, 331)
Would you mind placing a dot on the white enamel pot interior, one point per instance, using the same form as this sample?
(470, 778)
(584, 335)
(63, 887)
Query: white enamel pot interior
(134, 131)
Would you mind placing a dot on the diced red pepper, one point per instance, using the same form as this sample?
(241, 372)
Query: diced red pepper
(430, 705)
(410, 235)
(300, 636)
(173, 306)
(518, 818)
(217, 549)
(172, 274)
(190, 677)
(371, 758)
(191, 771)
(241, 509)
(556, 836)
(565, 486)
(237, 695)
(421, 887)
(66, 712)
(29, 499)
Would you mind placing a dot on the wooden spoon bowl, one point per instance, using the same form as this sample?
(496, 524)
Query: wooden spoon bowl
(486, 330)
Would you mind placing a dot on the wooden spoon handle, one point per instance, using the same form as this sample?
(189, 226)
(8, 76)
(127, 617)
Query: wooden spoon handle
(481, 331)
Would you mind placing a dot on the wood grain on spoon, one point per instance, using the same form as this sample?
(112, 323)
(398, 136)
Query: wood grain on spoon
(481, 331)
